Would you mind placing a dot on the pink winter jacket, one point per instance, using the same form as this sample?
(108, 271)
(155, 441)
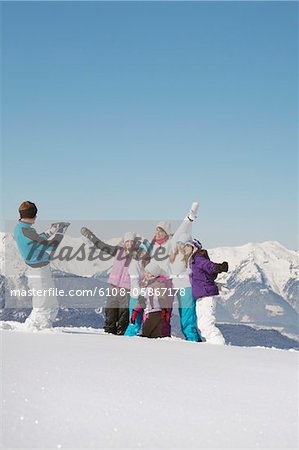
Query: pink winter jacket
(119, 275)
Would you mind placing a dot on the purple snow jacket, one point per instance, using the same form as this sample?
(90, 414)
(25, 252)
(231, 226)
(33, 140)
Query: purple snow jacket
(203, 276)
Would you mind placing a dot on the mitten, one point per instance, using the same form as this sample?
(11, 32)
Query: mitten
(57, 228)
(223, 267)
(193, 211)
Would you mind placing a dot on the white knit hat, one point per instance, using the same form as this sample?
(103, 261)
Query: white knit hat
(153, 268)
(183, 238)
(129, 236)
(165, 225)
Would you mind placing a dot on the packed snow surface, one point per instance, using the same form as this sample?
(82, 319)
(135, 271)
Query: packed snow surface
(80, 388)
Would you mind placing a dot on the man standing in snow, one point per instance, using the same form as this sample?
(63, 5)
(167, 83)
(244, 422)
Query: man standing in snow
(34, 250)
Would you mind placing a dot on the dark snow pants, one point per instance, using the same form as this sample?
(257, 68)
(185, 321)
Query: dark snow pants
(152, 326)
(117, 313)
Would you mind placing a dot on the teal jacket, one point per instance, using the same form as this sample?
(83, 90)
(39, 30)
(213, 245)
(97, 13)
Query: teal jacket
(34, 247)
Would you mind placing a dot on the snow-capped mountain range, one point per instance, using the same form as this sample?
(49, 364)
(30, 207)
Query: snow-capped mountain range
(261, 287)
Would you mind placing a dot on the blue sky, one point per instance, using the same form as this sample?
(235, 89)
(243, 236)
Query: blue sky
(134, 110)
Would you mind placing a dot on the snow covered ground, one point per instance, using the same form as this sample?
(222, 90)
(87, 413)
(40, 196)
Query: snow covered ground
(85, 389)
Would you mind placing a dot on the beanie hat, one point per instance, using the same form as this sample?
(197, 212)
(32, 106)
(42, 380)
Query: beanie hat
(194, 243)
(27, 210)
(129, 236)
(145, 246)
(153, 268)
(165, 225)
(183, 238)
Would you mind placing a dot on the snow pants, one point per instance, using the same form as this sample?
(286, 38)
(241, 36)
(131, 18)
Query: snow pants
(205, 310)
(167, 305)
(117, 313)
(44, 307)
(153, 325)
(133, 329)
(187, 313)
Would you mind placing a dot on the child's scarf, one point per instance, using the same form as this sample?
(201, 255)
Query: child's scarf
(160, 241)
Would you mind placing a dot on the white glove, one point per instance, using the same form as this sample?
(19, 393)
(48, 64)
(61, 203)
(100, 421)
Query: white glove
(58, 228)
(193, 211)
(52, 230)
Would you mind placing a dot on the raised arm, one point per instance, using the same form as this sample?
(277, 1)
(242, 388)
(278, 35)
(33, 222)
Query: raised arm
(42, 238)
(107, 248)
(186, 225)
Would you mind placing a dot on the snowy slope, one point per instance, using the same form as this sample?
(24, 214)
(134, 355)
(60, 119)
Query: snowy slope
(100, 391)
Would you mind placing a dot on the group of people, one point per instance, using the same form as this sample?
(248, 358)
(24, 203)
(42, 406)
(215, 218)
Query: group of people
(145, 278)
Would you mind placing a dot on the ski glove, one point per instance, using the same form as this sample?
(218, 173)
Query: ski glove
(223, 267)
(58, 228)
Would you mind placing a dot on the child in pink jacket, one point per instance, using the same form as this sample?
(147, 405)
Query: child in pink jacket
(117, 306)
